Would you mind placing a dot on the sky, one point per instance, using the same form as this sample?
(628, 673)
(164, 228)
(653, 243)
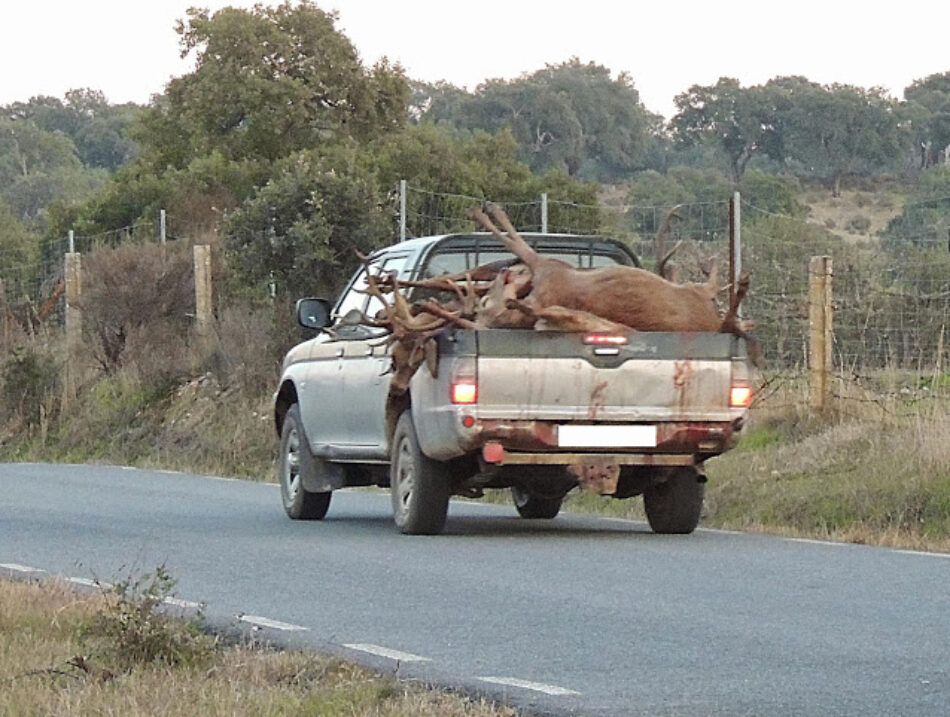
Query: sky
(128, 49)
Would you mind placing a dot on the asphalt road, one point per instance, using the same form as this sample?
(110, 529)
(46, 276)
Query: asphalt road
(573, 616)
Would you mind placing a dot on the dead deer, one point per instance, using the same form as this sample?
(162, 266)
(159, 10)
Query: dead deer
(623, 295)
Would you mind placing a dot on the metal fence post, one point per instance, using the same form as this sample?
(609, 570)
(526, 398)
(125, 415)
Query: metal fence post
(402, 210)
(544, 212)
(819, 329)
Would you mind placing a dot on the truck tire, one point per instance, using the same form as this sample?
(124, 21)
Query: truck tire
(419, 486)
(295, 462)
(674, 506)
(534, 506)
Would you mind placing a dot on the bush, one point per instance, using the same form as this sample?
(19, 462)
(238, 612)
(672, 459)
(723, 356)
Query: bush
(131, 631)
(132, 289)
(29, 383)
(859, 224)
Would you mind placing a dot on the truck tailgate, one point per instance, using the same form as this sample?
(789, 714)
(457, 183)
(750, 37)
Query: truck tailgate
(654, 376)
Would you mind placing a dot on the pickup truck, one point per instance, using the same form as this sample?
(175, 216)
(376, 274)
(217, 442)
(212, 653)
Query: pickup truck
(536, 412)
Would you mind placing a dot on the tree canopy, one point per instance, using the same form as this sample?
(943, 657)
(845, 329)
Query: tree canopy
(573, 116)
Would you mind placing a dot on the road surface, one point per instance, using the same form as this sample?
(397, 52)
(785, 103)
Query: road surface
(579, 615)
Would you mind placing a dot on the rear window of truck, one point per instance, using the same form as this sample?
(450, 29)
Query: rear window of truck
(464, 254)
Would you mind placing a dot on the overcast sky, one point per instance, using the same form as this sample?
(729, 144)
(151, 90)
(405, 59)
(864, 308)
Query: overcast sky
(129, 50)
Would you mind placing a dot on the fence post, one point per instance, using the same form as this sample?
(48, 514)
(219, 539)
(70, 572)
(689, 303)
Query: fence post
(819, 328)
(202, 254)
(72, 279)
(544, 212)
(402, 210)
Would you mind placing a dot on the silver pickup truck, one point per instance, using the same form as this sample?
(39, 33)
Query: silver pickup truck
(539, 413)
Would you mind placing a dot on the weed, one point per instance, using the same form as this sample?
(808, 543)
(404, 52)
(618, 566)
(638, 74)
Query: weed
(130, 630)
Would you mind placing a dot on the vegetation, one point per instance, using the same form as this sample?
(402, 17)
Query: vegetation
(115, 652)
(288, 161)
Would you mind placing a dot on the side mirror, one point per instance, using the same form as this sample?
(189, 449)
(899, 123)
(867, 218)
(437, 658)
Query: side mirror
(313, 313)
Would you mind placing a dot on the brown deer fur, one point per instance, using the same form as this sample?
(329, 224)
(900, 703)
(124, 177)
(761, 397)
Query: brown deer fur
(623, 294)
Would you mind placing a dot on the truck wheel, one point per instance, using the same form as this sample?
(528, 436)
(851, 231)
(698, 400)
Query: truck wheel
(419, 486)
(295, 462)
(674, 505)
(529, 505)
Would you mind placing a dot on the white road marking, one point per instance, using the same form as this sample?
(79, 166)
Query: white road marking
(86, 582)
(527, 685)
(817, 542)
(923, 552)
(386, 652)
(274, 624)
(17, 568)
(178, 602)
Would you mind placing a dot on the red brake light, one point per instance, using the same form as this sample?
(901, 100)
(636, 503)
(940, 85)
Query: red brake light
(464, 391)
(605, 340)
(740, 396)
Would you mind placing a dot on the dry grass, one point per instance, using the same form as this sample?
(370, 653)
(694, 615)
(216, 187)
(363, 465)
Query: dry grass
(839, 214)
(39, 625)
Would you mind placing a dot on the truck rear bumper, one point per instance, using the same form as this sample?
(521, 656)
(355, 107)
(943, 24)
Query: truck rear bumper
(536, 442)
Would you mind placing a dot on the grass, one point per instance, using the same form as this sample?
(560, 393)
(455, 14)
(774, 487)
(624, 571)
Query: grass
(60, 654)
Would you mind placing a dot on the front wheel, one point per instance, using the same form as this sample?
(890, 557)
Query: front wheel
(530, 505)
(419, 486)
(295, 462)
(674, 505)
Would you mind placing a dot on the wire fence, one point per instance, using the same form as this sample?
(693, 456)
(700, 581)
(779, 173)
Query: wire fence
(891, 293)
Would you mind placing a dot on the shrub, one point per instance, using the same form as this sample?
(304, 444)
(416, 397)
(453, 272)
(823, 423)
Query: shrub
(859, 224)
(130, 631)
(29, 382)
(131, 289)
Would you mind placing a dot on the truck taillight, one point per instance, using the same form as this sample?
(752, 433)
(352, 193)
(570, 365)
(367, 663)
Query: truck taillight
(740, 396)
(605, 340)
(464, 391)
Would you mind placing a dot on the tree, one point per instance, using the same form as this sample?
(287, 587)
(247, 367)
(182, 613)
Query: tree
(300, 229)
(19, 252)
(98, 130)
(573, 116)
(841, 129)
(736, 119)
(269, 82)
(931, 97)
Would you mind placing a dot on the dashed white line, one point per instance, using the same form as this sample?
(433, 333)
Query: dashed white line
(817, 542)
(386, 652)
(553, 690)
(273, 624)
(178, 602)
(17, 568)
(86, 582)
(923, 552)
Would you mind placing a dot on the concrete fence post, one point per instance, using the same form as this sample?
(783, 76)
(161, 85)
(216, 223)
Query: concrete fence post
(203, 305)
(819, 330)
(72, 276)
(72, 279)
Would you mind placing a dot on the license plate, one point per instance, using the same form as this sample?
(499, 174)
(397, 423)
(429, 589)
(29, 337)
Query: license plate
(572, 436)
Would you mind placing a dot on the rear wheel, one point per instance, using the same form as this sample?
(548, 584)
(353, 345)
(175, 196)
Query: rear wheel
(530, 505)
(674, 505)
(419, 486)
(296, 463)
